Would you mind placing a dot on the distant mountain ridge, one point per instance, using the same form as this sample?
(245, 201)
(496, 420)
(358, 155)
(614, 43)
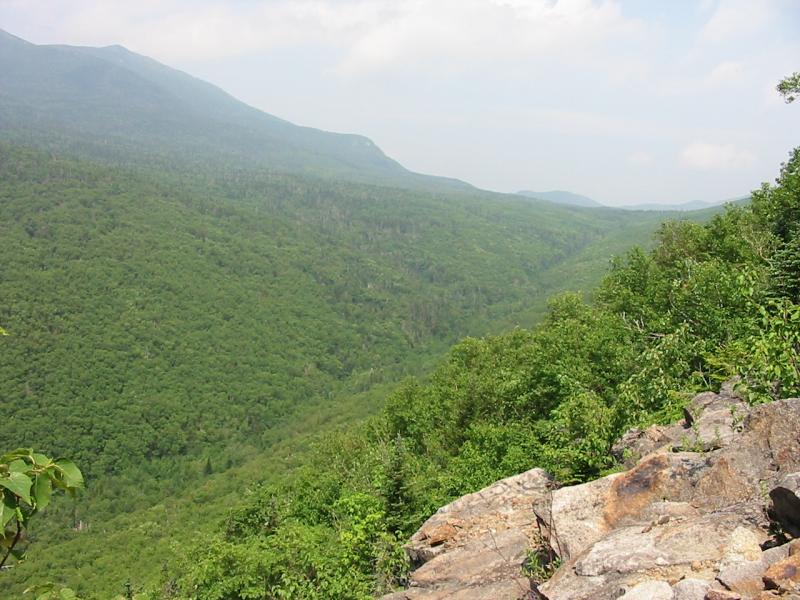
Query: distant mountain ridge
(686, 206)
(572, 199)
(118, 106)
(562, 197)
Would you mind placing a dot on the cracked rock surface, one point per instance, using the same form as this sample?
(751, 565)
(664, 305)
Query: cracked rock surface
(474, 548)
(708, 509)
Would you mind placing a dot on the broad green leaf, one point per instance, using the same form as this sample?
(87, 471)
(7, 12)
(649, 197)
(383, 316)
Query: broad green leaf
(42, 587)
(18, 453)
(42, 490)
(19, 484)
(56, 475)
(6, 514)
(71, 475)
(41, 460)
(67, 594)
(18, 466)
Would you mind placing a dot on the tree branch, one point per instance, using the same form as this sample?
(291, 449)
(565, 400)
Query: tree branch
(11, 547)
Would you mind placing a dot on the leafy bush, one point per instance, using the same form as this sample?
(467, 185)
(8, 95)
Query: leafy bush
(27, 482)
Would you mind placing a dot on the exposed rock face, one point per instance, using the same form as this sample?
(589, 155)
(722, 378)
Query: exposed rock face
(693, 519)
(784, 575)
(693, 508)
(710, 421)
(474, 548)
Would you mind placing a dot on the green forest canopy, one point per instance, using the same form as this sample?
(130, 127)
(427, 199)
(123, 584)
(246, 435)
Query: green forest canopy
(189, 328)
(710, 301)
(169, 329)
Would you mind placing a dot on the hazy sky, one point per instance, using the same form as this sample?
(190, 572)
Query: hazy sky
(623, 100)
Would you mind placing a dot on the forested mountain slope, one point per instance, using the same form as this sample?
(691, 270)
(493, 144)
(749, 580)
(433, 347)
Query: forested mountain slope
(202, 284)
(161, 322)
(113, 105)
(711, 303)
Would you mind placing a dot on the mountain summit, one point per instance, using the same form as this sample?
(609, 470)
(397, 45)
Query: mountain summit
(116, 105)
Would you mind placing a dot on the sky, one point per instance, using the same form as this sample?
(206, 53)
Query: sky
(626, 101)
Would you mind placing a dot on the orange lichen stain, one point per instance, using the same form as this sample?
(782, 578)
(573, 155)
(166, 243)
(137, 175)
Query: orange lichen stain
(633, 491)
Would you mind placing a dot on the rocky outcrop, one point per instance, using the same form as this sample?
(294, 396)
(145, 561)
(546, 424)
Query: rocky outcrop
(474, 548)
(708, 509)
(697, 505)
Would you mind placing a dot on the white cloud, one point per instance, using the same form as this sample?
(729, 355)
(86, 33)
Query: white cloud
(689, 83)
(726, 73)
(370, 34)
(706, 5)
(738, 18)
(716, 157)
(641, 158)
(581, 123)
(488, 30)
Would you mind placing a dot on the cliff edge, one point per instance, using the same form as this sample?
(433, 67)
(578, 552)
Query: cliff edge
(709, 509)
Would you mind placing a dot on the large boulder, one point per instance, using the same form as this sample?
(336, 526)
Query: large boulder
(475, 547)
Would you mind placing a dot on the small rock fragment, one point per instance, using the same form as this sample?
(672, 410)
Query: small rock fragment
(772, 555)
(649, 590)
(743, 577)
(784, 575)
(742, 566)
(722, 595)
(786, 503)
(691, 589)
(440, 534)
